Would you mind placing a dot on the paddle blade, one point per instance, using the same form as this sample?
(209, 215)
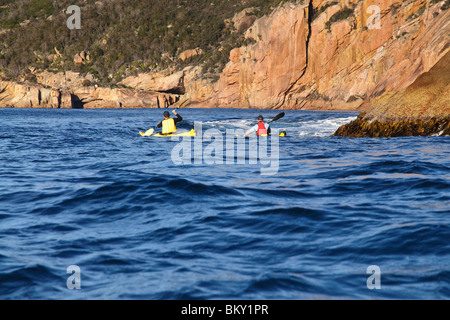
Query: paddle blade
(277, 117)
(182, 103)
(149, 132)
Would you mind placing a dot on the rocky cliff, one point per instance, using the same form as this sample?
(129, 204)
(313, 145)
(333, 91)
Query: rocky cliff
(334, 54)
(316, 54)
(23, 95)
(26, 95)
(71, 90)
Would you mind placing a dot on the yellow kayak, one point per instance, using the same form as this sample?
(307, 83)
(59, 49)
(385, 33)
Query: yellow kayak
(181, 134)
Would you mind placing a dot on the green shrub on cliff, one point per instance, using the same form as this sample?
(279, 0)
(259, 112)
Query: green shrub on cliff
(40, 8)
(341, 15)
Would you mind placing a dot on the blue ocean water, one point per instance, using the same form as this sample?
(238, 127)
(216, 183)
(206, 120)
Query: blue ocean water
(82, 187)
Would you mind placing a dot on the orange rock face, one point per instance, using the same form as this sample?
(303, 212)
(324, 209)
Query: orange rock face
(23, 95)
(259, 74)
(334, 54)
(190, 53)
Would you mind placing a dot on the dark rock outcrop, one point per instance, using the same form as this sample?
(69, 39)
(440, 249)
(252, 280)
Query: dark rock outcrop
(363, 128)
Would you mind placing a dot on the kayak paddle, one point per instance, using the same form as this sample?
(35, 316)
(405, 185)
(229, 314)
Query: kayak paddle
(277, 117)
(149, 132)
(182, 103)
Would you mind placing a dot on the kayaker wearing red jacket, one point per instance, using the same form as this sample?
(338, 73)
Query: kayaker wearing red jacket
(261, 129)
(168, 124)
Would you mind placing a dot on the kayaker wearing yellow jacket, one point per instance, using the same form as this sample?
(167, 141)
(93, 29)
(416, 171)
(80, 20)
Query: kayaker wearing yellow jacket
(168, 124)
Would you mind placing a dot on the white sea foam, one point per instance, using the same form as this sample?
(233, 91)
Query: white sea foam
(322, 127)
(307, 128)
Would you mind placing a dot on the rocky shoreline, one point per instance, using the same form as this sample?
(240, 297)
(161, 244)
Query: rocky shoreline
(362, 128)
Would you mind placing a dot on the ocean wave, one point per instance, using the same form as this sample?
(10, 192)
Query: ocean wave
(140, 226)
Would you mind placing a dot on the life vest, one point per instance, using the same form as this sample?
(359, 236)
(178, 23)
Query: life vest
(262, 131)
(168, 126)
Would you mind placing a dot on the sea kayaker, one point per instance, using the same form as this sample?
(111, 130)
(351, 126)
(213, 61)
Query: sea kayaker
(168, 124)
(261, 129)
